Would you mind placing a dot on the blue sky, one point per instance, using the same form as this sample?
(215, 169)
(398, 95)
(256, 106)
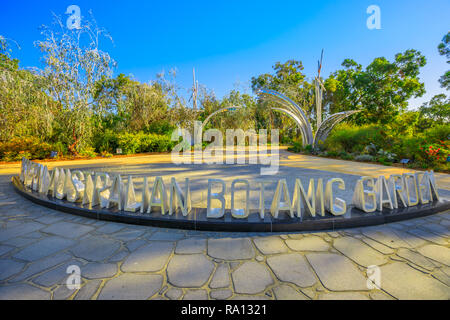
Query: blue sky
(230, 41)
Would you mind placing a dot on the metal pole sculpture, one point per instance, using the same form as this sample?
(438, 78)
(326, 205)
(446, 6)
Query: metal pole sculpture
(319, 92)
(194, 90)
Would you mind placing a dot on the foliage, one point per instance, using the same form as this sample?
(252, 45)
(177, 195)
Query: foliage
(73, 65)
(31, 148)
(354, 139)
(364, 158)
(88, 152)
(444, 50)
(437, 109)
(380, 91)
(131, 143)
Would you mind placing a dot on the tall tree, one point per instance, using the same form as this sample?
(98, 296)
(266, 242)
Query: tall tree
(437, 109)
(25, 109)
(380, 91)
(73, 65)
(444, 50)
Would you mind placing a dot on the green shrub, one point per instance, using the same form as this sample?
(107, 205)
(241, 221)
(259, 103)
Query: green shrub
(345, 156)
(107, 141)
(88, 152)
(131, 143)
(296, 147)
(438, 133)
(106, 154)
(354, 139)
(31, 148)
(364, 157)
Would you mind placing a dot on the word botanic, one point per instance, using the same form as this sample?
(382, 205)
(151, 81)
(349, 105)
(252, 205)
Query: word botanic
(100, 189)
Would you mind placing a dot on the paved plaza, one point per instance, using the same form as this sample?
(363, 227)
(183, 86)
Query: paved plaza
(120, 261)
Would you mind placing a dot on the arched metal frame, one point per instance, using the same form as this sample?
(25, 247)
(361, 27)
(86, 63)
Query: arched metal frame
(298, 115)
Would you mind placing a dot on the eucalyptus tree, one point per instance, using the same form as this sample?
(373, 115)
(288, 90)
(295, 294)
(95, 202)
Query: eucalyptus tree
(73, 64)
(25, 109)
(444, 50)
(381, 91)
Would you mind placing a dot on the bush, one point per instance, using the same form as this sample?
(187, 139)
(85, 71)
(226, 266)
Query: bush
(345, 156)
(31, 148)
(354, 139)
(364, 157)
(106, 154)
(107, 141)
(438, 133)
(131, 143)
(88, 152)
(296, 147)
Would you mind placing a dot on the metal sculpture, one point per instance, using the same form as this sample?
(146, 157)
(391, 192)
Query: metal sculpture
(297, 114)
(294, 111)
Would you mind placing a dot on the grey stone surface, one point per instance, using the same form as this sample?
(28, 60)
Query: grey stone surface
(95, 248)
(88, 290)
(221, 294)
(342, 276)
(131, 286)
(166, 236)
(285, 292)
(56, 276)
(150, 258)
(68, 229)
(378, 246)
(95, 270)
(415, 258)
(63, 292)
(191, 246)
(359, 252)
(9, 267)
(41, 265)
(221, 278)
(429, 236)
(270, 245)
(343, 296)
(309, 243)
(135, 244)
(189, 270)
(230, 248)
(174, 293)
(23, 292)
(5, 249)
(379, 295)
(21, 229)
(436, 253)
(251, 278)
(196, 295)
(293, 268)
(404, 282)
(44, 248)
(387, 236)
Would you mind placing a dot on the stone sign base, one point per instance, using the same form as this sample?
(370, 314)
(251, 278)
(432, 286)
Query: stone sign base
(197, 220)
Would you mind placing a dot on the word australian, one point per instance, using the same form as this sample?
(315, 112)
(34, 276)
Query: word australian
(101, 189)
